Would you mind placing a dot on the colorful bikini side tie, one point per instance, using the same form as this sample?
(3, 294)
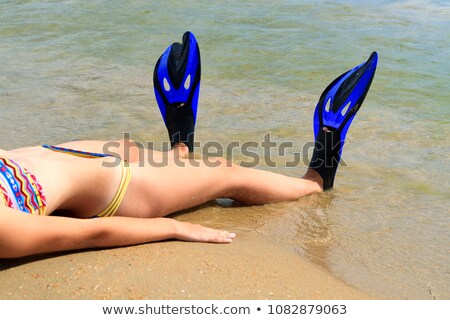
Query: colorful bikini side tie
(112, 208)
(120, 194)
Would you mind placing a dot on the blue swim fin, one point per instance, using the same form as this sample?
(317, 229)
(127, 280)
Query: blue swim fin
(333, 115)
(176, 81)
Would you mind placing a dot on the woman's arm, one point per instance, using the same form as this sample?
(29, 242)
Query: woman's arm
(24, 235)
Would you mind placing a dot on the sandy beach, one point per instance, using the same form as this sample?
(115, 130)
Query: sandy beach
(249, 268)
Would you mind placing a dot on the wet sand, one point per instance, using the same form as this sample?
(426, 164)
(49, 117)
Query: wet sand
(248, 268)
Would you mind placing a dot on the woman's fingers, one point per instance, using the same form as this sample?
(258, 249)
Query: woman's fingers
(195, 232)
(224, 237)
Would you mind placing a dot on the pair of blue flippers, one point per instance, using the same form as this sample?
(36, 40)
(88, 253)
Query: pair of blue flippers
(176, 81)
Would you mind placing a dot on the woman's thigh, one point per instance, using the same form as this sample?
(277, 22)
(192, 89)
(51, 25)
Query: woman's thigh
(156, 191)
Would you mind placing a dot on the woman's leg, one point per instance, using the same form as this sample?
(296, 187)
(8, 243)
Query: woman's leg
(181, 184)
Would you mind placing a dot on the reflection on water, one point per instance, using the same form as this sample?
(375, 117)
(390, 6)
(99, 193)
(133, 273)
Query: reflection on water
(77, 70)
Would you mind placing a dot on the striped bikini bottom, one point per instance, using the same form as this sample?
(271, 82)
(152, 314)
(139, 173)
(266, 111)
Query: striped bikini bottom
(21, 190)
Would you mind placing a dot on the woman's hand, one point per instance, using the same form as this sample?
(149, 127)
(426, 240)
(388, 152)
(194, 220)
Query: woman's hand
(187, 231)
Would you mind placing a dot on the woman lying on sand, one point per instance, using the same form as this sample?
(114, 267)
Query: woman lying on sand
(131, 199)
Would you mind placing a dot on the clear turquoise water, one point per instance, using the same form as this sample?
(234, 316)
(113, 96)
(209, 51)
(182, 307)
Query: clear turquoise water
(82, 70)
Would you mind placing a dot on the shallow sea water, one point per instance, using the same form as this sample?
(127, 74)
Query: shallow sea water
(76, 70)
